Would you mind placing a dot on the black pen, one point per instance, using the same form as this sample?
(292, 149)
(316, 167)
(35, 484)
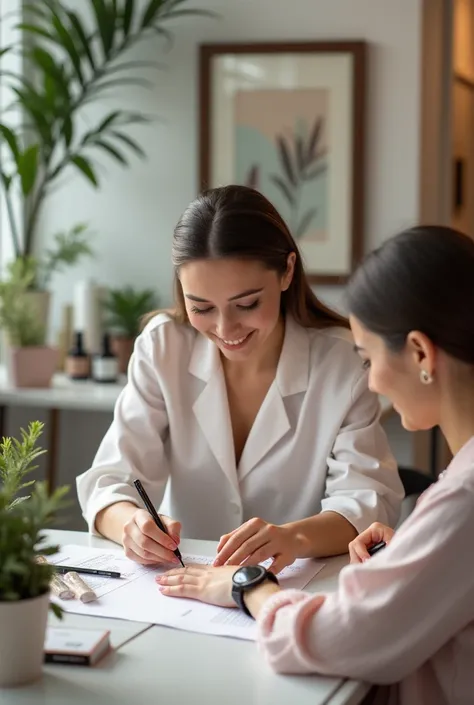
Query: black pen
(88, 571)
(156, 517)
(376, 547)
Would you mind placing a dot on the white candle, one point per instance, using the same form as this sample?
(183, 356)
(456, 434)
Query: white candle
(87, 313)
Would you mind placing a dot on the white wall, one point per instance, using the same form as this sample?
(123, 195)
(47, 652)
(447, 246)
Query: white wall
(135, 211)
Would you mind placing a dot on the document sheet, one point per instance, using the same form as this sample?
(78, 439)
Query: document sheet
(136, 597)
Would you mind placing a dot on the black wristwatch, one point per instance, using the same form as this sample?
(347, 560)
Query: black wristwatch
(245, 579)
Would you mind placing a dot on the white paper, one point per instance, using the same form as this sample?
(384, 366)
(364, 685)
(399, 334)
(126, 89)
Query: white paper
(136, 597)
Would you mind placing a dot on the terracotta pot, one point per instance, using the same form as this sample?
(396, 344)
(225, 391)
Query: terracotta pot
(122, 348)
(22, 636)
(32, 366)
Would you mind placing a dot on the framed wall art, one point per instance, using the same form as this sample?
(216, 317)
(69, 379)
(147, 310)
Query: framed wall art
(288, 120)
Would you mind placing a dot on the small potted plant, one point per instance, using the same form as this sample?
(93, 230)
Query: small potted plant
(30, 362)
(24, 582)
(125, 309)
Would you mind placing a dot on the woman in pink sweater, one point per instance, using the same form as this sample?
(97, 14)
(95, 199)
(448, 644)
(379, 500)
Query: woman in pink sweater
(403, 619)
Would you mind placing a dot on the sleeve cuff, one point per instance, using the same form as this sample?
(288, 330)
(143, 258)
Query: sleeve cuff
(281, 630)
(96, 507)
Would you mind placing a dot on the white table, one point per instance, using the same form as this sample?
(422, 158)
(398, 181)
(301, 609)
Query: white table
(66, 394)
(153, 664)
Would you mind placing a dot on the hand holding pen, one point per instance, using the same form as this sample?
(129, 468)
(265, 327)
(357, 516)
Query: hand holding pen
(369, 542)
(145, 541)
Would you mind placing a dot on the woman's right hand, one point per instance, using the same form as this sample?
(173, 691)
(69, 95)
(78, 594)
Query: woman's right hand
(145, 543)
(358, 548)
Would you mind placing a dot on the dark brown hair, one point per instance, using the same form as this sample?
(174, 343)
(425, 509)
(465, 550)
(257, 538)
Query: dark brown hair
(421, 279)
(239, 222)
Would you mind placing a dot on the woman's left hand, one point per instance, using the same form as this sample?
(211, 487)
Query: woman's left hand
(255, 542)
(199, 582)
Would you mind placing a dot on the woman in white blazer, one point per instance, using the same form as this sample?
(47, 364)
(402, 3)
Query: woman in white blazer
(246, 414)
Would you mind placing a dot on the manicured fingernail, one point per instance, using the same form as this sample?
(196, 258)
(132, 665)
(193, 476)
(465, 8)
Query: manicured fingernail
(217, 562)
(176, 539)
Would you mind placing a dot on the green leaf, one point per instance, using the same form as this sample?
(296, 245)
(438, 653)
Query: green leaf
(111, 117)
(18, 500)
(85, 167)
(46, 61)
(34, 106)
(128, 65)
(130, 142)
(120, 82)
(186, 13)
(112, 151)
(6, 180)
(150, 13)
(36, 29)
(82, 36)
(34, 8)
(162, 32)
(68, 43)
(56, 610)
(11, 140)
(69, 248)
(68, 131)
(28, 168)
(128, 16)
(105, 20)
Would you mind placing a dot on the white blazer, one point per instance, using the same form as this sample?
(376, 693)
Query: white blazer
(316, 444)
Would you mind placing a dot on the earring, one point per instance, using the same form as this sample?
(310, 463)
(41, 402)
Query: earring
(425, 377)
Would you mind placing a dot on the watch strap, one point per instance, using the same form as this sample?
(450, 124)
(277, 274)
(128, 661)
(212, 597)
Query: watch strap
(239, 591)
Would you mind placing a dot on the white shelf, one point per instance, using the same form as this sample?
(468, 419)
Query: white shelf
(81, 395)
(63, 394)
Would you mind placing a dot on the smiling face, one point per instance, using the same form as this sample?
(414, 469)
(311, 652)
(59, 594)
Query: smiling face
(235, 303)
(397, 375)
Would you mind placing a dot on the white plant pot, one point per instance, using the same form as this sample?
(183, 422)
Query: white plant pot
(22, 635)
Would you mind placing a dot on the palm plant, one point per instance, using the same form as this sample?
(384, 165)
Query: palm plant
(126, 307)
(68, 64)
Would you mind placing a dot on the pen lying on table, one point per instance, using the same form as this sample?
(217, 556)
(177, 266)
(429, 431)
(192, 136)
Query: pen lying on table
(88, 571)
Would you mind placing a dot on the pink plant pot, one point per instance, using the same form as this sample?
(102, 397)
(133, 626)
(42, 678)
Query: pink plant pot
(32, 366)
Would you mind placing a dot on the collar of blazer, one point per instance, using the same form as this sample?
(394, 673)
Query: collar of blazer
(272, 421)
(293, 367)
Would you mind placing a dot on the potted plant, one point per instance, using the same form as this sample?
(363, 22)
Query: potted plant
(124, 309)
(77, 57)
(30, 362)
(24, 583)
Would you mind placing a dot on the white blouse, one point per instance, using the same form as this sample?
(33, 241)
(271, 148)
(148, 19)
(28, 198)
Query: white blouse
(316, 444)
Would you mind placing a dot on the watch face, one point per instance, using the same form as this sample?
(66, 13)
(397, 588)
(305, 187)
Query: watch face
(247, 574)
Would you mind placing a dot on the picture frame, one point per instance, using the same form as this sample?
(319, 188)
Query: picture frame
(288, 119)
